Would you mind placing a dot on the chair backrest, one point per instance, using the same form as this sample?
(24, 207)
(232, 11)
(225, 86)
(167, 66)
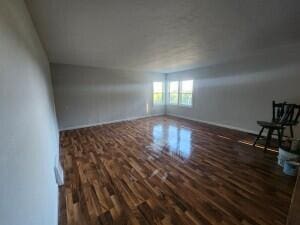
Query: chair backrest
(288, 114)
(285, 113)
(294, 117)
(278, 111)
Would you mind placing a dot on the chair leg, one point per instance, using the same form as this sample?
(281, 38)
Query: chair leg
(269, 137)
(259, 136)
(279, 137)
(292, 131)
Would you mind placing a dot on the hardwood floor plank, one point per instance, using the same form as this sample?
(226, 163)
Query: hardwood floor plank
(165, 170)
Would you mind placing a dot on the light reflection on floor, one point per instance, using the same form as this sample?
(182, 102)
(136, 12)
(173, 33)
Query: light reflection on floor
(157, 133)
(177, 140)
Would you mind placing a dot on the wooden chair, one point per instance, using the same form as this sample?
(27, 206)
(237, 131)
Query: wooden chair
(294, 119)
(284, 115)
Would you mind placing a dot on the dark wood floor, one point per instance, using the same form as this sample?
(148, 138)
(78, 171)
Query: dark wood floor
(165, 170)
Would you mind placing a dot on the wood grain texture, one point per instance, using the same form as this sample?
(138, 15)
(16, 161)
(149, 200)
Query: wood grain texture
(294, 216)
(166, 170)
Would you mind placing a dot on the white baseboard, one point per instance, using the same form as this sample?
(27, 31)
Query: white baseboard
(108, 122)
(160, 114)
(58, 171)
(215, 124)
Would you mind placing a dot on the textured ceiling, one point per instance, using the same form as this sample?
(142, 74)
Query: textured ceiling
(162, 35)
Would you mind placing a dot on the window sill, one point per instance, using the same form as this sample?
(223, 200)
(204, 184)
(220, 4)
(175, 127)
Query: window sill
(180, 105)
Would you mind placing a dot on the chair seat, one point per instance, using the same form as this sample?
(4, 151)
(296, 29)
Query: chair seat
(270, 124)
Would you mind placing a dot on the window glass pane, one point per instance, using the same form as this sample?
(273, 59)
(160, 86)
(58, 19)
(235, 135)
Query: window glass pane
(173, 86)
(173, 92)
(157, 93)
(186, 99)
(186, 92)
(157, 98)
(157, 87)
(174, 98)
(187, 86)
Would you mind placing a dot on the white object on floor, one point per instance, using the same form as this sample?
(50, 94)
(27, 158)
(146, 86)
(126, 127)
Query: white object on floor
(290, 168)
(284, 156)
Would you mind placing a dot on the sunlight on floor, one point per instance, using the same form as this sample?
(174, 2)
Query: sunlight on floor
(224, 137)
(257, 146)
(177, 140)
(249, 143)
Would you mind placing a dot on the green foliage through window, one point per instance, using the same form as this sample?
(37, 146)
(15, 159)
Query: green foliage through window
(180, 92)
(186, 99)
(186, 92)
(173, 92)
(158, 97)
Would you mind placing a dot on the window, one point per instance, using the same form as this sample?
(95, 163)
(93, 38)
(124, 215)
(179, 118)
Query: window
(158, 97)
(173, 92)
(180, 92)
(186, 92)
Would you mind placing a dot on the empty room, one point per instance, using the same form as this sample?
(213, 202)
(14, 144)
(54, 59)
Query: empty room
(167, 112)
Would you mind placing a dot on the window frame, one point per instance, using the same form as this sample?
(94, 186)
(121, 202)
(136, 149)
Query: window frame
(163, 93)
(180, 94)
(169, 92)
(179, 102)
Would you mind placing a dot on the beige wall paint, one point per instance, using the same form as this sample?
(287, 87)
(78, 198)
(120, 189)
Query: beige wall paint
(28, 128)
(86, 96)
(240, 93)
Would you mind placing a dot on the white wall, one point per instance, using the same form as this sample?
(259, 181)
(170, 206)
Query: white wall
(28, 130)
(240, 93)
(85, 96)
